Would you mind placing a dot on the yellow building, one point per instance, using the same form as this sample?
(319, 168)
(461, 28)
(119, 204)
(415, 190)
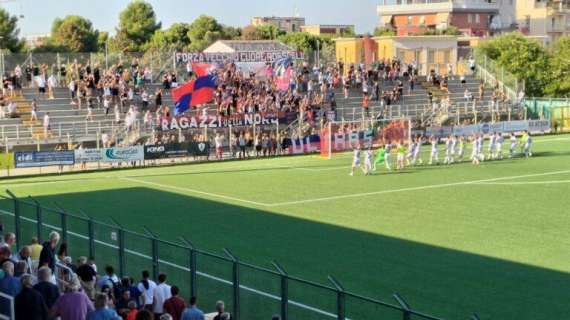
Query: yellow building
(427, 52)
(328, 29)
(545, 20)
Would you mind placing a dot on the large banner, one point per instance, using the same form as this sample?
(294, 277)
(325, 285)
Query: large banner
(237, 120)
(242, 56)
(308, 144)
(176, 150)
(533, 126)
(43, 158)
(135, 153)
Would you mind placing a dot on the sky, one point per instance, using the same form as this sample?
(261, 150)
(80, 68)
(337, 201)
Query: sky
(104, 14)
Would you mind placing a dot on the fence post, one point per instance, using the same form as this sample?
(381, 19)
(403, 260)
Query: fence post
(154, 242)
(91, 232)
(63, 216)
(406, 315)
(16, 219)
(39, 222)
(191, 266)
(235, 281)
(340, 299)
(284, 290)
(475, 317)
(121, 238)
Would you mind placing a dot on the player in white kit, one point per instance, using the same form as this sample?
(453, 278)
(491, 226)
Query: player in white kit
(499, 140)
(475, 150)
(448, 150)
(480, 154)
(528, 145)
(388, 156)
(514, 144)
(434, 157)
(355, 160)
(368, 160)
(491, 147)
(417, 151)
(461, 151)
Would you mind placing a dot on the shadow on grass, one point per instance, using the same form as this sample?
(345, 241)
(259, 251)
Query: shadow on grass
(447, 283)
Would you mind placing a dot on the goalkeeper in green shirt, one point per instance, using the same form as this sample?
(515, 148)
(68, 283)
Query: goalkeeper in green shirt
(380, 158)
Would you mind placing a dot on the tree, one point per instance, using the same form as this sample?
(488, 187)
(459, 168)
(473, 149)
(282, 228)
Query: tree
(73, 33)
(231, 33)
(137, 25)
(559, 86)
(174, 38)
(265, 32)
(383, 32)
(204, 31)
(302, 41)
(9, 32)
(524, 58)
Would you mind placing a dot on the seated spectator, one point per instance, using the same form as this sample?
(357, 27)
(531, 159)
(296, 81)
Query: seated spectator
(9, 284)
(5, 254)
(102, 310)
(175, 305)
(73, 304)
(87, 277)
(19, 269)
(29, 304)
(25, 256)
(192, 312)
(48, 290)
(220, 309)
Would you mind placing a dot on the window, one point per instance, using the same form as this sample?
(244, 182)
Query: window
(410, 20)
(477, 19)
(470, 18)
(422, 20)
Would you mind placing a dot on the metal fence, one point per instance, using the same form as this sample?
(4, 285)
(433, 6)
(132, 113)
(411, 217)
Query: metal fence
(250, 291)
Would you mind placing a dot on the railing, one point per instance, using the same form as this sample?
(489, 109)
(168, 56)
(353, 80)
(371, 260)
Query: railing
(252, 292)
(492, 74)
(7, 300)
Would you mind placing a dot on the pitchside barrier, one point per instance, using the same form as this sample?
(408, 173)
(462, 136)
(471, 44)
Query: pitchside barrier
(250, 291)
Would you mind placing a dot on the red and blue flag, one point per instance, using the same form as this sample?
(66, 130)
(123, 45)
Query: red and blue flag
(195, 92)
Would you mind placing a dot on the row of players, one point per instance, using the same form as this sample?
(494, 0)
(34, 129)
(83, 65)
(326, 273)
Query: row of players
(409, 154)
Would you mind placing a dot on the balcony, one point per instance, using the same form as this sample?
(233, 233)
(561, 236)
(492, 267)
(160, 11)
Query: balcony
(558, 6)
(389, 7)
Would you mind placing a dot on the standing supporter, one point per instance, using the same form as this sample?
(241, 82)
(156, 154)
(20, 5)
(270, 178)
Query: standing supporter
(73, 304)
(161, 294)
(102, 310)
(87, 277)
(192, 312)
(48, 290)
(47, 255)
(29, 303)
(146, 287)
(175, 305)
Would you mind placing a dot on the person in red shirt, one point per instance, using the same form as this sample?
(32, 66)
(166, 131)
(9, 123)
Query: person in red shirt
(132, 314)
(174, 305)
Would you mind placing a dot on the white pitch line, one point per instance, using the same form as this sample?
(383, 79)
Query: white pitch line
(209, 194)
(434, 186)
(515, 183)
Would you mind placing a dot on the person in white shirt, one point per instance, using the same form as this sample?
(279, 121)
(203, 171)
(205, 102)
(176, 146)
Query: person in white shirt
(46, 124)
(161, 294)
(12, 109)
(105, 139)
(34, 113)
(219, 140)
(146, 288)
(41, 82)
(52, 83)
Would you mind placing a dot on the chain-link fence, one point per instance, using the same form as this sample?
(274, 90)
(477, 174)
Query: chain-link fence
(250, 291)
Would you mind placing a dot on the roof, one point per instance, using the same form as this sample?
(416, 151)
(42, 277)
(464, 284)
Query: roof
(247, 46)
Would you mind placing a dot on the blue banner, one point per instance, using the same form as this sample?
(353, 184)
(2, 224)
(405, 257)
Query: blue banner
(43, 158)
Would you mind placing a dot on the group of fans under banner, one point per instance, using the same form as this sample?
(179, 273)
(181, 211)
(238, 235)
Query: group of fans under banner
(409, 154)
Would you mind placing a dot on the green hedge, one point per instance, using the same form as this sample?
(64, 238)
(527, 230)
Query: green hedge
(6, 160)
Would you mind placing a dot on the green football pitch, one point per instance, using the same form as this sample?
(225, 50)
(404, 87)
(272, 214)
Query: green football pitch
(452, 240)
